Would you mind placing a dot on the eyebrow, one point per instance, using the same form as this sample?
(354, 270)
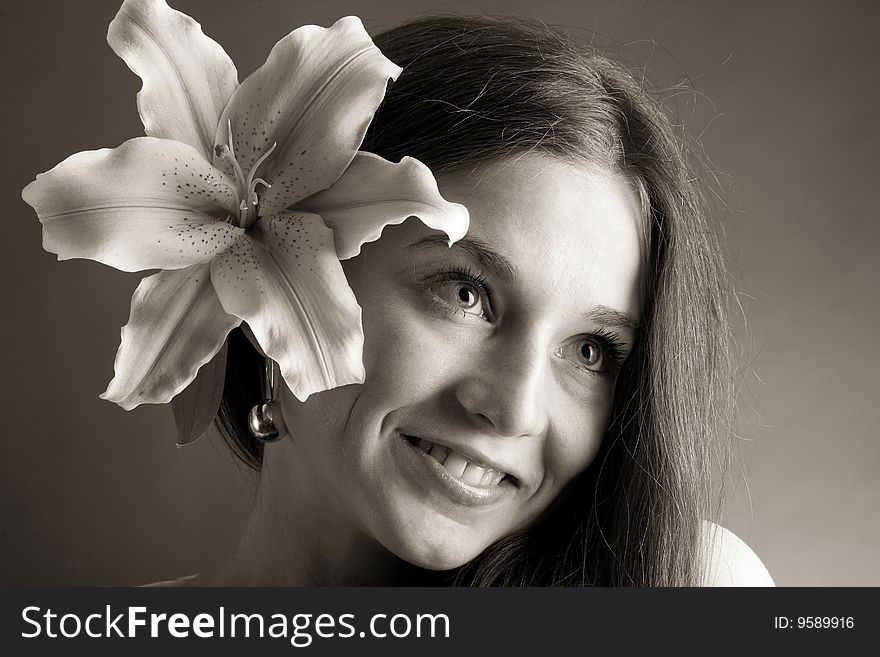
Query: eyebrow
(501, 267)
(482, 252)
(612, 318)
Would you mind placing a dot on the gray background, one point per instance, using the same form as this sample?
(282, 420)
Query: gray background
(785, 99)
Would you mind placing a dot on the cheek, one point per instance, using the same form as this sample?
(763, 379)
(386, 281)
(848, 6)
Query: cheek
(577, 437)
(322, 418)
(406, 358)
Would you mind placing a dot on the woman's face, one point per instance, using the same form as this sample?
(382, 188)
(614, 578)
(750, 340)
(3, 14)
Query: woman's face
(490, 365)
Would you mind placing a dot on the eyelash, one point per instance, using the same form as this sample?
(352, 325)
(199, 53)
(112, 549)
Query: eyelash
(612, 348)
(464, 275)
(609, 342)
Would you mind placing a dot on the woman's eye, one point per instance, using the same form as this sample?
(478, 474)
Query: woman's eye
(461, 292)
(466, 296)
(586, 354)
(462, 296)
(591, 355)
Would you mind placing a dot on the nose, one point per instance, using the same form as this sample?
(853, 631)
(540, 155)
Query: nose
(506, 389)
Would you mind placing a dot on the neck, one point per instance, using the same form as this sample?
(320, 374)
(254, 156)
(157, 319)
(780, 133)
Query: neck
(298, 536)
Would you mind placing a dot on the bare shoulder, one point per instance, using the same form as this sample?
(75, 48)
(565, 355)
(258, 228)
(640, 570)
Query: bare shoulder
(730, 562)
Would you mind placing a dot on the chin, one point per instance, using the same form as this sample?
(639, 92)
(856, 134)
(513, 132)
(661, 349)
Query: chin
(424, 514)
(436, 552)
(430, 534)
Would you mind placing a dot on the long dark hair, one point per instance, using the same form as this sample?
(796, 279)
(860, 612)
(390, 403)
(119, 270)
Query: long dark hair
(475, 90)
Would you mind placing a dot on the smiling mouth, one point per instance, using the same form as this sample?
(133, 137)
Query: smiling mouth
(459, 466)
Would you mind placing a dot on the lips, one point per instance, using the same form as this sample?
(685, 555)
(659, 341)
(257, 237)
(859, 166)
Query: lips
(460, 466)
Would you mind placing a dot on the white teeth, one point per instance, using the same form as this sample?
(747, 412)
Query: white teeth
(456, 464)
(473, 474)
(459, 466)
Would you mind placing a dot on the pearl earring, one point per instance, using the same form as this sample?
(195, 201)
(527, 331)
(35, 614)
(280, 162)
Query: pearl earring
(265, 421)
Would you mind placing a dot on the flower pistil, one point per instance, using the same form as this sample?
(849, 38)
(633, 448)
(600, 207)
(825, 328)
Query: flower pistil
(247, 185)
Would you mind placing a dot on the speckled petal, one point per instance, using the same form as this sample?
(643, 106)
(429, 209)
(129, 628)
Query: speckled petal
(148, 204)
(187, 77)
(315, 97)
(288, 285)
(373, 193)
(176, 325)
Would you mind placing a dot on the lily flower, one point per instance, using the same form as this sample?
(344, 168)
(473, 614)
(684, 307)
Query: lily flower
(245, 196)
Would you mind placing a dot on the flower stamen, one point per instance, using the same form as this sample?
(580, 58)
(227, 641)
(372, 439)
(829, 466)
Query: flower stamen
(247, 185)
(226, 152)
(253, 182)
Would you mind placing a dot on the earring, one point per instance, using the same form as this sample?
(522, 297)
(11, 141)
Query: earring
(265, 421)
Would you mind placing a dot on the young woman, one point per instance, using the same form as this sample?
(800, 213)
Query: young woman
(541, 399)
(535, 403)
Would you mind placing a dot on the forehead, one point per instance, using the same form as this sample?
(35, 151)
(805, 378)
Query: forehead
(572, 233)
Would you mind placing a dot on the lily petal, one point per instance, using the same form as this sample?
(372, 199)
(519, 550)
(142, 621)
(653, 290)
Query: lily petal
(187, 77)
(288, 285)
(373, 193)
(176, 325)
(315, 96)
(148, 204)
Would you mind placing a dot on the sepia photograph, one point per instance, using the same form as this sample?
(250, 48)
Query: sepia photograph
(444, 293)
